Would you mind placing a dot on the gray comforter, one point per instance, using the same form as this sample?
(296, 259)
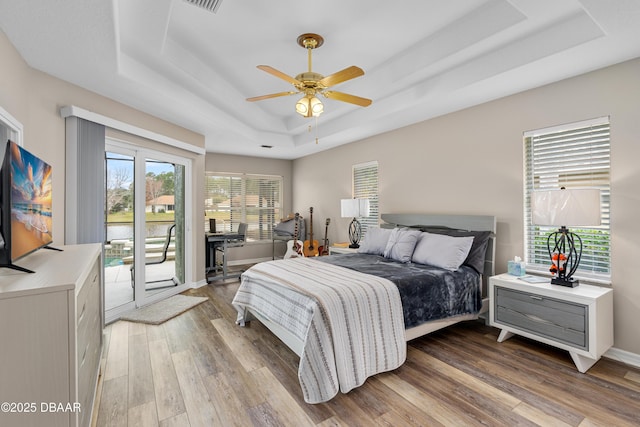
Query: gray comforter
(427, 293)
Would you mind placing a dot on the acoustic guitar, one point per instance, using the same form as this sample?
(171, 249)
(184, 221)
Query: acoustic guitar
(324, 249)
(310, 246)
(294, 247)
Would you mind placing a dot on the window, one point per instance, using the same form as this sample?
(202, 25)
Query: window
(572, 156)
(10, 128)
(365, 186)
(235, 198)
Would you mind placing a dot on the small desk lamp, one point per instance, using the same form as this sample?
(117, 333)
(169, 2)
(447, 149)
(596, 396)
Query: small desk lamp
(354, 208)
(560, 208)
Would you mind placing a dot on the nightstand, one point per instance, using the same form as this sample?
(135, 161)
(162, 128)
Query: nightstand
(341, 250)
(579, 320)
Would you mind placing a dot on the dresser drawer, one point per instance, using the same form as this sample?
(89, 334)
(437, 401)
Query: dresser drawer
(89, 293)
(88, 361)
(88, 309)
(89, 357)
(89, 341)
(544, 316)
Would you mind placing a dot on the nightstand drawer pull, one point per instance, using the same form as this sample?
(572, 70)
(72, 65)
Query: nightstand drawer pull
(540, 320)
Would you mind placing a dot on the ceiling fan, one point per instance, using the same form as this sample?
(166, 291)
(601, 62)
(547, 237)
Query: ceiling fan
(312, 84)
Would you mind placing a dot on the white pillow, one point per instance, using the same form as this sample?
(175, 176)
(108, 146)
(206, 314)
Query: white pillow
(442, 251)
(375, 241)
(401, 244)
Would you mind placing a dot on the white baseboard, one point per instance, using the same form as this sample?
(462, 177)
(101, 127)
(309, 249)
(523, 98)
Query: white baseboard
(199, 284)
(623, 356)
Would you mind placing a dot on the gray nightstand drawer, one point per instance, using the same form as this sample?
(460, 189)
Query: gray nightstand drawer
(548, 317)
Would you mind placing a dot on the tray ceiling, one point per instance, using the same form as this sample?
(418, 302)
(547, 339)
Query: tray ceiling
(422, 58)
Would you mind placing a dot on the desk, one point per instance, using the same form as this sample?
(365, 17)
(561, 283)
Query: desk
(213, 241)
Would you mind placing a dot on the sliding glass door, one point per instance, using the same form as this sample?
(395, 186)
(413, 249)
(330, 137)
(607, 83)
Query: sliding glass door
(145, 227)
(119, 228)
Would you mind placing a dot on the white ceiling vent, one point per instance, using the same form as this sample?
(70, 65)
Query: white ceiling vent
(210, 5)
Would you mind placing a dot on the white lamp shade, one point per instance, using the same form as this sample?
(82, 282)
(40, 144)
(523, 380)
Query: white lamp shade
(354, 208)
(566, 207)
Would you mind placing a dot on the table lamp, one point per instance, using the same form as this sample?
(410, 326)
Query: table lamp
(354, 208)
(561, 208)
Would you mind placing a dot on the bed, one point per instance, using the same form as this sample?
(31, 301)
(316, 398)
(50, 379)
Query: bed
(349, 316)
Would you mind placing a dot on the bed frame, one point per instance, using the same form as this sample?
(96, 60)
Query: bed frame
(462, 222)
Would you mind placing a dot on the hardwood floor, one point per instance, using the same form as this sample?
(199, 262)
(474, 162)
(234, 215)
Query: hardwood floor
(200, 369)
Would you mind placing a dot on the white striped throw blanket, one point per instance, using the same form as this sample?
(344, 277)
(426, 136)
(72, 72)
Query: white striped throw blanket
(351, 323)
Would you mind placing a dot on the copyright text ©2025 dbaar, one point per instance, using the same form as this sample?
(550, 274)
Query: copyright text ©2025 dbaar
(42, 407)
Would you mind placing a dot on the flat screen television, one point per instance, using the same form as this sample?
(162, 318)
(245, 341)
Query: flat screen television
(25, 205)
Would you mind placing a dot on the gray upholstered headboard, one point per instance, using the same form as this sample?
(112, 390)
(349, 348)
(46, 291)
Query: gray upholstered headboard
(460, 222)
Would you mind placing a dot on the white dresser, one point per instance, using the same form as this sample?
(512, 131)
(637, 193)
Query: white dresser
(51, 337)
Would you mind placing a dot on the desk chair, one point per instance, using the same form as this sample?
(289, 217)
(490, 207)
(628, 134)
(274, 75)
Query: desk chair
(159, 260)
(236, 242)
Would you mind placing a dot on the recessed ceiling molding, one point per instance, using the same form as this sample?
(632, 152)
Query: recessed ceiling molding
(195, 69)
(184, 105)
(426, 56)
(507, 57)
(204, 82)
(152, 35)
(539, 44)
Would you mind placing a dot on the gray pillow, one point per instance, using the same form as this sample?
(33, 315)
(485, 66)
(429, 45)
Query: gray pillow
(375, 241)
(401, 243)
(441, 250)
(476, 256)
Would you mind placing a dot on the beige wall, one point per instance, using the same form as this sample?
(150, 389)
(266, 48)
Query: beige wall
(35, 98)
(471, 162)
(255, 165)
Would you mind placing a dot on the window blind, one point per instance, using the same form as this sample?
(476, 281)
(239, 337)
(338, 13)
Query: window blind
(235, 198)
(572, 156)
(85, 187)
(365, 186)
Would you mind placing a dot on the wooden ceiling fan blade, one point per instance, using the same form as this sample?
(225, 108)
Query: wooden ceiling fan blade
(345, 97)
(342, 76)
(279, 74)
(273, 95)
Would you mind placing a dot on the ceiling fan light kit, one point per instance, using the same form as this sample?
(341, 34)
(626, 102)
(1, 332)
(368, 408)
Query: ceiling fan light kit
(309, 106)
(312, 84)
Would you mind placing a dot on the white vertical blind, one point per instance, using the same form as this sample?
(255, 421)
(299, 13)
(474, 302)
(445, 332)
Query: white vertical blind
(365, 186)
(235, 198)
(573, 156)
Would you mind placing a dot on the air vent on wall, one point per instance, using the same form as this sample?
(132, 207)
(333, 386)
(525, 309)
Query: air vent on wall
(210, 5)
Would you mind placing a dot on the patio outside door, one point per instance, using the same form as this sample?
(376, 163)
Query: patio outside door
(144, 227)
